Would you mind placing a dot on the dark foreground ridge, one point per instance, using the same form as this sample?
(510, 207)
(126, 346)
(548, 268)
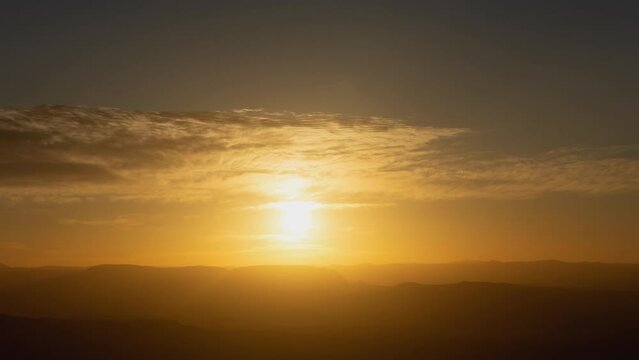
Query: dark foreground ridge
(283, 312)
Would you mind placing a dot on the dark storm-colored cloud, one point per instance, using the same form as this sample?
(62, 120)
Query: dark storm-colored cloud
(62, 152)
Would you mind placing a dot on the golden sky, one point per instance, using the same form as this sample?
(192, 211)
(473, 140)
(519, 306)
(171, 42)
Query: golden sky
(83, 185)
(347, 131)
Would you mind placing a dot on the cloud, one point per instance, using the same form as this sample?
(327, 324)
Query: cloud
(28, 173)
(121, 220)
(60, 153)
(592, 171)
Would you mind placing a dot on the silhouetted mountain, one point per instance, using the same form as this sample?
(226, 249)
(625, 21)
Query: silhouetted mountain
(263, 296)
(110, 291)
(23, 338)
(10, 276)
(540, 273)
(280, 312)
(282, 278)
(409, 321)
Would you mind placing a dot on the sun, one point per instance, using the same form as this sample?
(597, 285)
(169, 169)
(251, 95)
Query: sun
(296, 219)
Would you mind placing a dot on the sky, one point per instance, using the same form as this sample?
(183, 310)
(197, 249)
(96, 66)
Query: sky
(250, 132)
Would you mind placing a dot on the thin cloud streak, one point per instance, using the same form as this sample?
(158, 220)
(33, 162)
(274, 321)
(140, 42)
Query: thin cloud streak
(58, 153)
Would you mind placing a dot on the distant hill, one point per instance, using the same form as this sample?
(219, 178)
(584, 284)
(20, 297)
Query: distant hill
(408, 321)
(278, 295)
(293, 312)
(109, 291)
(281, 278)
(24, 338)
(538, 273)
(263, 296)
(12, 276)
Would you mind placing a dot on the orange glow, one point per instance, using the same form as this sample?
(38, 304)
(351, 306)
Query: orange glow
(296, 219)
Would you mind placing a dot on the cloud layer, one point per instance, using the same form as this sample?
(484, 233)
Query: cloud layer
(58, 153)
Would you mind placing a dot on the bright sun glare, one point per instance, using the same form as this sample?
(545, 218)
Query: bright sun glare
(296, 219)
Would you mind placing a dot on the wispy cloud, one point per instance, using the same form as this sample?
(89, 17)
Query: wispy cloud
(121, 220)
(67, 153)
